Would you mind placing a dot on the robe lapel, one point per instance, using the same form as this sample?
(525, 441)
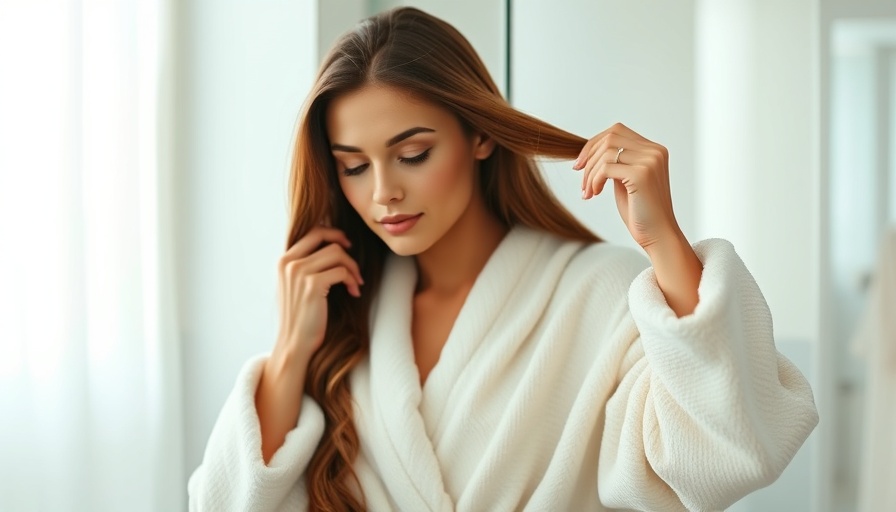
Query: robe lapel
(406, 417)
(483, 304)
(405, 452)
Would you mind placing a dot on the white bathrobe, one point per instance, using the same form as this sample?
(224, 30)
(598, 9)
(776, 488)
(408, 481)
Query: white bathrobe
(566, 383)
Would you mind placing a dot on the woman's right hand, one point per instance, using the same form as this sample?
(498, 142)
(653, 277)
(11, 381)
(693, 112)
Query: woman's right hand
(307, 271)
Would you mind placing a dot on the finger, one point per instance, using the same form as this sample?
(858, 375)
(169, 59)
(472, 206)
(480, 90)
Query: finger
(597, 182)
(592, 162)
(589, 176)
(633, 177)
(609, 146)
(313, 240)
(592, 168)
(586, 151)
(643, 142)
(323, 281)
(619, 130)
(332, 255)
(607, 152)
(583, 155)
(589, 148)
(591, 181)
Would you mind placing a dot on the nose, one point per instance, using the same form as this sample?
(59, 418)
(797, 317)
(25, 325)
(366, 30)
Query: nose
(386, 188)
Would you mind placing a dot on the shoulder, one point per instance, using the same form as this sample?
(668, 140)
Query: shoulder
(590, 293)
(606, 259)
(607, 264)
(600, 267)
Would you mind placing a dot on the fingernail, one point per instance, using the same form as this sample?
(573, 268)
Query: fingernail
(575, 165)
(584, 194)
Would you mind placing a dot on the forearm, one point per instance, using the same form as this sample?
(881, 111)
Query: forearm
(278, 399)
(678, 272)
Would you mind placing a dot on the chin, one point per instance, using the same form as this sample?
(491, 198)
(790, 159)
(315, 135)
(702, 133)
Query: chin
(407, 244)
(404, 246)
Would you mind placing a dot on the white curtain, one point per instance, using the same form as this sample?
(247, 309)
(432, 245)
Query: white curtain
(90, 414)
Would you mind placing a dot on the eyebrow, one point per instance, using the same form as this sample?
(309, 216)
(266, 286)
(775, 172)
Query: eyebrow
(389, 143)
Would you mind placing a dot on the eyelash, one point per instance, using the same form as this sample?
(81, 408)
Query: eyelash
(414, 160)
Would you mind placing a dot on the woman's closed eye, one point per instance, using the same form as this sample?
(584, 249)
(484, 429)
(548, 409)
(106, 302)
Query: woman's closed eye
(353, 171)
(410, 160)
(417, 159)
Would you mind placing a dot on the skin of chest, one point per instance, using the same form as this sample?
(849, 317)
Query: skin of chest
(434, 317)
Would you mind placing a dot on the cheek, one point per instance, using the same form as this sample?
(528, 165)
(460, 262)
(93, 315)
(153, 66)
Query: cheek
(353, 192)
(455, 178)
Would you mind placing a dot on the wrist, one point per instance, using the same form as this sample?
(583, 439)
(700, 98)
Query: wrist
(287, 365)
(672, 245)
(678, 271)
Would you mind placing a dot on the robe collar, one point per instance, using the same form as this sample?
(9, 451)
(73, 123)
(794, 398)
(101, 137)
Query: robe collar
(398, 397)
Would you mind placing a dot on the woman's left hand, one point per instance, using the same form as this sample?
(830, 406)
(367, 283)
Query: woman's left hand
(639, 169)
(641, 182)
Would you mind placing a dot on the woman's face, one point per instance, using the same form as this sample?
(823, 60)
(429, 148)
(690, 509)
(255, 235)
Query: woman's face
(406, 166)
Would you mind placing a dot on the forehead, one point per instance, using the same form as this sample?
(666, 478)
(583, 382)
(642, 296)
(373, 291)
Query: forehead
(373, 114)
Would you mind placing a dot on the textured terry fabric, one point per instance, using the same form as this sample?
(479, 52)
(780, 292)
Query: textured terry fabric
(566, 383)
(233, 475)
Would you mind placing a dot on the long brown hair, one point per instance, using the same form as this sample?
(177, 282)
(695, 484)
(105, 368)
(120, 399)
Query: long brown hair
(417, 53)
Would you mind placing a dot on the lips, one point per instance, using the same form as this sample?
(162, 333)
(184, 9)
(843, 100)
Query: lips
(398, 224)
(395, 219)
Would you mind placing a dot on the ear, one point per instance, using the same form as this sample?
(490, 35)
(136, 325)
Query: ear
(483, 146)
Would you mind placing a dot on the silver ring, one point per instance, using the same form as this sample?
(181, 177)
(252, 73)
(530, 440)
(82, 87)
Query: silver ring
(619, 152)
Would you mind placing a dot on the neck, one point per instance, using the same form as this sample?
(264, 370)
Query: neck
(453, 263)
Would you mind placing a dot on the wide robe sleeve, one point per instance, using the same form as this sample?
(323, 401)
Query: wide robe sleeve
(233, 475)
(706, 410)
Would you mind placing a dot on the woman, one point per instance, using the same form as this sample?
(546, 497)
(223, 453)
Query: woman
(452, 338)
